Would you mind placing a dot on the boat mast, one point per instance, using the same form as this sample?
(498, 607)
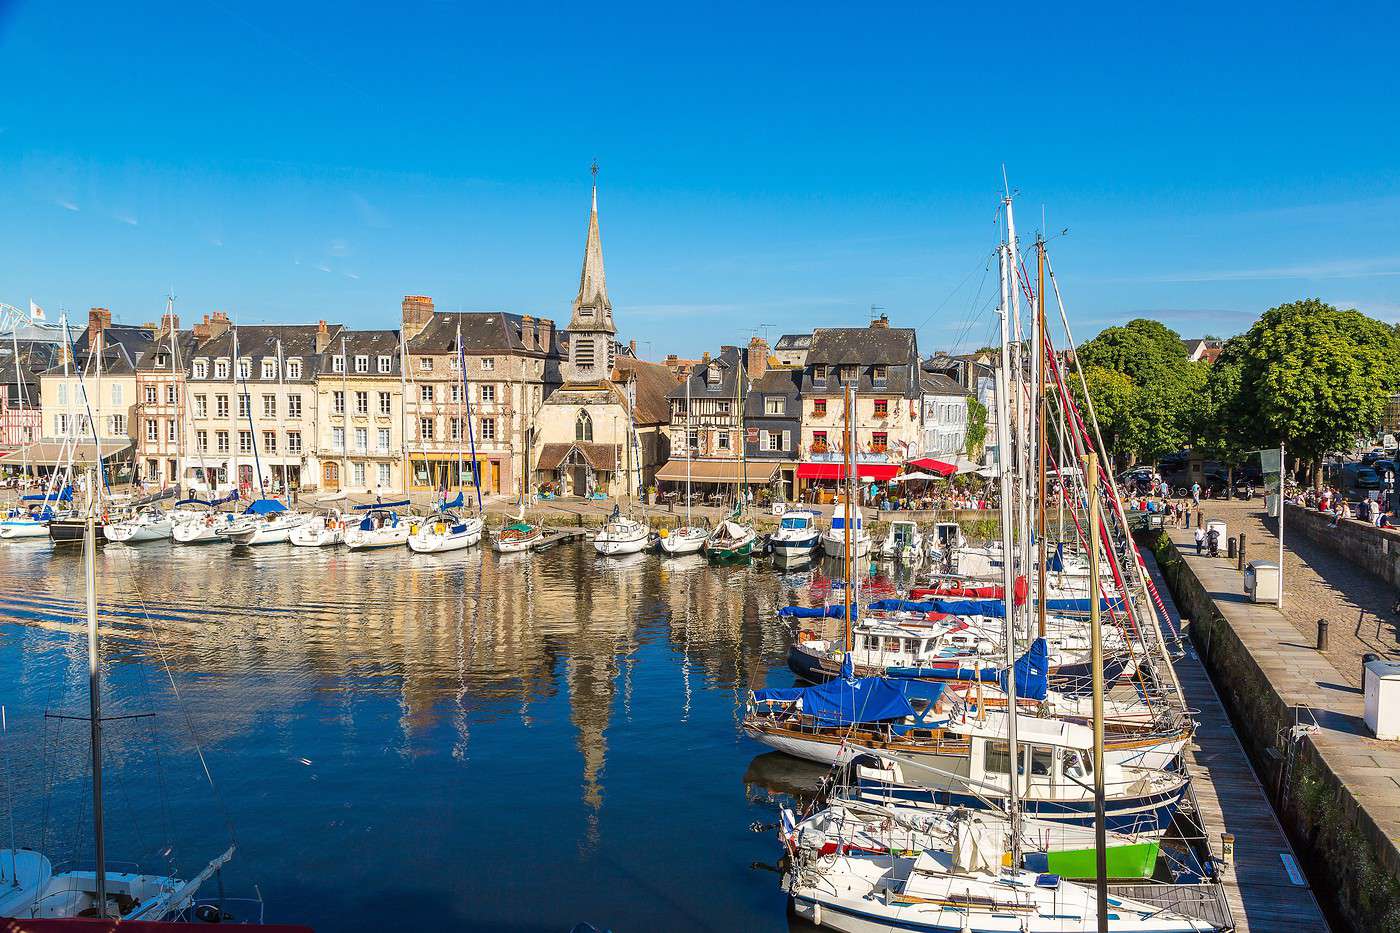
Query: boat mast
(471, 433)
(850, 493)
(95, 700)
(1091, 468)
(1042, 450)
(687, 450)
(1006, 466)
(461, 405)
(252, 432)
(743, 375)
(177, 371)
(1023, 404)
(344, 415)
(403, 411)
(282, 395)
(19, 394)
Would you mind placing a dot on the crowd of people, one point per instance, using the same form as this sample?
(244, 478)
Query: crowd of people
(1378, 511)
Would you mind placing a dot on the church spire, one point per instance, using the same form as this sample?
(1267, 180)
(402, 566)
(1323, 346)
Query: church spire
(592, 309)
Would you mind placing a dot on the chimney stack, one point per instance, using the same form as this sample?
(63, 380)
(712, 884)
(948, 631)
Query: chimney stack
(169, 323)
(883, 321)
(527, 332)
(544, 329)
(417, 312)
(323, 336)
(757, 361)
(212, 326)
(99, 319)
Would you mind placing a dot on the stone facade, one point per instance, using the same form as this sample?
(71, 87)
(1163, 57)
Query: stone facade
(359, 400)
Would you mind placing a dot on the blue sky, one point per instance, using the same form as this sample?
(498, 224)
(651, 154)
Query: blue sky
(782, 165)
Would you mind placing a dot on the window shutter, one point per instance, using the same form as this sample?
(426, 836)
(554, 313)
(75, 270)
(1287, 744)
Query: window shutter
(763, 439)
(787, 440)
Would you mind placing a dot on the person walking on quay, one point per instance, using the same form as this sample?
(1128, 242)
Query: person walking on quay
(1200, 536)
(1195, 494)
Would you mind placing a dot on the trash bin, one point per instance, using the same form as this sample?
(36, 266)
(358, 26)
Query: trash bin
(1261, 581)
(1382, 703)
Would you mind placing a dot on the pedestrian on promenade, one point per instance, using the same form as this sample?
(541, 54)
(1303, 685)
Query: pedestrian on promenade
(1195, 494)
(1200, 536)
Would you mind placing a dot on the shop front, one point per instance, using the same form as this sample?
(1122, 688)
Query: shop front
(450, 471)
(819, 481)
(714, 482)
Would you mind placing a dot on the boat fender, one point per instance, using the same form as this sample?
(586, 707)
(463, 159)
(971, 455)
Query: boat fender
(804, 635)
(817, 913)
(663, 532)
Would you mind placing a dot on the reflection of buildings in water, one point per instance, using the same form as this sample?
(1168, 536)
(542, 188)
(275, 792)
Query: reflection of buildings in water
(724, 619)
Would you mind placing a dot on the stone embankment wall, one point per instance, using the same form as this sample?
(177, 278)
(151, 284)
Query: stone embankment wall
(1377, 550)
(1341, 842)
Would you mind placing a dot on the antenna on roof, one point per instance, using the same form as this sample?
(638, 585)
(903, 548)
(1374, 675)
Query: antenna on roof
(875, 312)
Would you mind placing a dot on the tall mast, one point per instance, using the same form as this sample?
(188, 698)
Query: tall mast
(471, 432)
(233, 421)
(403, 411)
(1040, 448)
(177, 371)
(849, 595)
(344, 415)
(461, 404)
(687, 450)
(252, 431)
(1091, 468)
(19, 394)
(281, 396)
(743, 438)
(1005, 466)
(1023, 405)
(95, 699)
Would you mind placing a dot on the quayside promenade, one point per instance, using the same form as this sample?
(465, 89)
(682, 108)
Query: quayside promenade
(1334, 786)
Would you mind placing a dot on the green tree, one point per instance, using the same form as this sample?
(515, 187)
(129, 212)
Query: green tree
(1115, 405)
(1311, 376)
(976, 428)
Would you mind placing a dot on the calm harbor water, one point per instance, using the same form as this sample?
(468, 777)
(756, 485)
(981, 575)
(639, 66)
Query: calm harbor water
(405, 741)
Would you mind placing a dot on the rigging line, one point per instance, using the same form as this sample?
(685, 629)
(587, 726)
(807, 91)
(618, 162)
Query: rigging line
(184, 710)
(983, 263)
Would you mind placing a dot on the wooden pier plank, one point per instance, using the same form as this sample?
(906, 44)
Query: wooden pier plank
(1230, 799)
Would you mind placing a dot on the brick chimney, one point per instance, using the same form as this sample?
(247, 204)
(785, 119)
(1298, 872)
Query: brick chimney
(527, 332)
(323, 336)
(169, 323)
(705, 357)
(417, 312)
(757, 361)
(544, 334)
(99, 319)
(883, 321)
(212, 326)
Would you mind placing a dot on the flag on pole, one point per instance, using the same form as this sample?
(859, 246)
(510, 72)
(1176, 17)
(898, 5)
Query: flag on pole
(36, 313)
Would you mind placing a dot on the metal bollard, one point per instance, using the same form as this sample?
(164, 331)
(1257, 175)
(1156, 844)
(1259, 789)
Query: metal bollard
(1230, 549)
(1242, 561)
(1321, 634)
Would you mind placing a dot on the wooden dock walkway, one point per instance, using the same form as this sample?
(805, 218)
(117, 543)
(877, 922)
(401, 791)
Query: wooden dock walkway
(1229, 799)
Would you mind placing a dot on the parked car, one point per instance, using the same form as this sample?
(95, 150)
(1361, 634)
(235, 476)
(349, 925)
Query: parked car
(1357, 477)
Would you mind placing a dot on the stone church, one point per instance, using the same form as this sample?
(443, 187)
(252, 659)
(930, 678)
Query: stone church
(584, 446)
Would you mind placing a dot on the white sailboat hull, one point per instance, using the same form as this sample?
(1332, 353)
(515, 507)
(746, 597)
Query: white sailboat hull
(359, 539)
(834, 544)
(135, 532)
(256, 533)
(684, 541)
(317, 535)
(199, 531)
(17, 529)
(430, 541)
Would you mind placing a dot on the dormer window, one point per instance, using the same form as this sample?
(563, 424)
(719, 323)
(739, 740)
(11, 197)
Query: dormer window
(848, 374)
(712, 377)
(386, 364)
(878, 374)
(245, 369)
(488, 363)
(221, 369)
(162, 360)
(201, 369)
(293, 369)
(269, 369)
(338, 363)
(362, 363)
(819, 375)
(425, 363)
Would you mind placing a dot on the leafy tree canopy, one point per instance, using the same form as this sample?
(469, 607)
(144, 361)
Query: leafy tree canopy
(976, 428)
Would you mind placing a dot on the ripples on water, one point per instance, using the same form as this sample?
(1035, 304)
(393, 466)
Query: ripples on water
(406, 741)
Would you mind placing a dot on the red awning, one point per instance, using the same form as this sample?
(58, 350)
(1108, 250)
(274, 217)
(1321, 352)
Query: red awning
(880, 472)
(933, 466)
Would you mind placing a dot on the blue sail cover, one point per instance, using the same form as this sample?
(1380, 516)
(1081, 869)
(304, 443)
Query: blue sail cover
(381, 505)
(64, 495)
(456, 503)
(991, 608)
(265, 507)
(1032, 672)
(818, 612)
(1056, 562)
(845, 702)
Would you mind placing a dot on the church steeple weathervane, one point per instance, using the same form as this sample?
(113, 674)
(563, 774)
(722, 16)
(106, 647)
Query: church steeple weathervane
(591, 329)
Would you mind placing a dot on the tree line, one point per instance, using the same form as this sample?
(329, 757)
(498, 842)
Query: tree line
(1306, 374)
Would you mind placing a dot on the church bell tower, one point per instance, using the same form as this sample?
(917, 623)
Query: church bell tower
(592, 334)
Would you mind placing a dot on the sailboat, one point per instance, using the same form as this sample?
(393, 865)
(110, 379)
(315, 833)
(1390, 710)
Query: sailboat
(623, 534)
(147, 523)
(325, 527)
(734, 539)
(202, 521)
(69, 529)
(30, 888)
(452, 529)
(688, 538)
(380, 527)
(32, 521)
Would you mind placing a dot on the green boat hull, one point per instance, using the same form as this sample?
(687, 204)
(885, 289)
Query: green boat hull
(727, 555)
(1137, 861)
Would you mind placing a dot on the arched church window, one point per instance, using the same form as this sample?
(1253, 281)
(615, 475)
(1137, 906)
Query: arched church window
(583, 427)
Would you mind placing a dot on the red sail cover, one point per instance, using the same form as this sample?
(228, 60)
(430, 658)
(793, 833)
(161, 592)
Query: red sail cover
(957, 589)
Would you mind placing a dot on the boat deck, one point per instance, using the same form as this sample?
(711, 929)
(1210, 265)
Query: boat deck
(1228, 798)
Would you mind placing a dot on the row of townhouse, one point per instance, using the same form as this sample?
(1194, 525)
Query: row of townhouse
(440, 400)
(792, 419)
(298, 406)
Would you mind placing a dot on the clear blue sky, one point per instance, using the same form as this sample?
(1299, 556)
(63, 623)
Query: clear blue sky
(760, 163)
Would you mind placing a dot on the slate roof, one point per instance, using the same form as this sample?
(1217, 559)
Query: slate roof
(784, 382)
(35, 356)
(482, 332)
(793, 342)
(938, 384)
(185, 343)
(122, 345)
(371, 343)
(729, 363)
(260, 341)
(895, 348)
